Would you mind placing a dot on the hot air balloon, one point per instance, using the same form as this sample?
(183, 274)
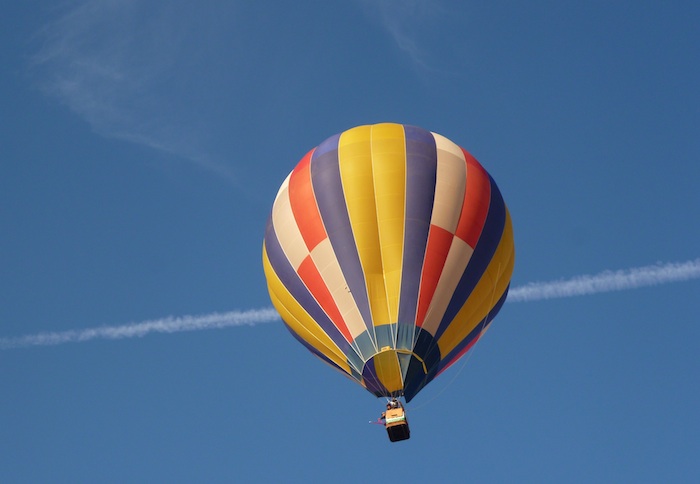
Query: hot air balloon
(388, 252)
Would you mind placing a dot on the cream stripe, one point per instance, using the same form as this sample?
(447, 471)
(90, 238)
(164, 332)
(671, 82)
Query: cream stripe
(447, 145)
(457, 259)
(450, 184)
(284, 186)
(327, 264)
(288, 233)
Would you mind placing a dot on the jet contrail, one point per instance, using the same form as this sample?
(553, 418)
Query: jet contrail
(607, 281)
(134, 330)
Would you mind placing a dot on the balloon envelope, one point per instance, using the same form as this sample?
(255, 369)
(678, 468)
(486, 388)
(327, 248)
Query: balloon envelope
(388, 253)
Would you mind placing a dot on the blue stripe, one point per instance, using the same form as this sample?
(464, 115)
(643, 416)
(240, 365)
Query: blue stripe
(369, 375)
(328, 190)
(421, 175)
(475, 332)
(416, 377)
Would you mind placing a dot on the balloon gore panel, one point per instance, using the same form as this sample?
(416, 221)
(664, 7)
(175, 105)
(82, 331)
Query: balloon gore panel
(388, 253)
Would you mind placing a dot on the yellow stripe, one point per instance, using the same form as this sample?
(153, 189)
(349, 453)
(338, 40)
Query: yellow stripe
(386, 364)
(355, 161)
(299, 320)
(486, 294)
(389, 168)
(506, 260)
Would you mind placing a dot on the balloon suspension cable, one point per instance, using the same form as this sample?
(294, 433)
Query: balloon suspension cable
(469, 353)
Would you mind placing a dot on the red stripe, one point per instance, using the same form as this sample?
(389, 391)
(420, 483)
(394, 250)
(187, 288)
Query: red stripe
(439, 242)
(477, 197)
(304, 207)
(308, 272)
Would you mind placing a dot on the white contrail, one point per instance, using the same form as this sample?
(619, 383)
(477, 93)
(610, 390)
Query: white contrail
(133, 330)
(607, 281)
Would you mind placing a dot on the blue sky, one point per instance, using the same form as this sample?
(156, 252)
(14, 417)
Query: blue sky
(142, 145)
